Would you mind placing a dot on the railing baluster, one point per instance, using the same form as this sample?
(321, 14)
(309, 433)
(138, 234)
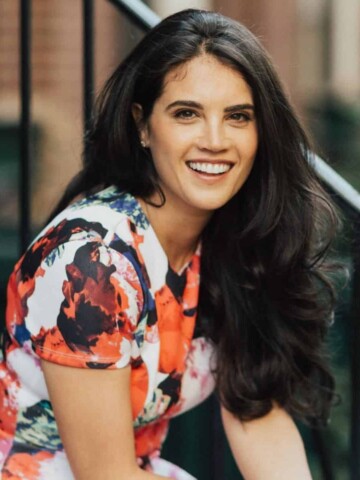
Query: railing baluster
(25, 123)
(324, 455)
(218, 446)
(88, 65)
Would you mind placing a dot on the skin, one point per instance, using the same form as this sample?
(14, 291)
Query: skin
(218, 126)
(268, 448)
(100, 443)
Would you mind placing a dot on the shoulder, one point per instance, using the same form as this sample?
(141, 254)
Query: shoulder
(110, 206)
(107, 221)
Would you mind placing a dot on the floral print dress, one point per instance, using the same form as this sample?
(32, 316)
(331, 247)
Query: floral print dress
(95, 290)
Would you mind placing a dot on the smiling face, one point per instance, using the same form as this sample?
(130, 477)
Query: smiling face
(202, 135)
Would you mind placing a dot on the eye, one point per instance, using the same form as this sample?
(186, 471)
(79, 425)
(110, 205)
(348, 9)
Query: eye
(185, 114)
(240, 117)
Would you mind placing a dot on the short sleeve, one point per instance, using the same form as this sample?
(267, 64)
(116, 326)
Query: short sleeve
(85, 306)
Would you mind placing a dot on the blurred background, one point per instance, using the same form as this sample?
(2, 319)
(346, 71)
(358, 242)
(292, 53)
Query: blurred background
(315, 45)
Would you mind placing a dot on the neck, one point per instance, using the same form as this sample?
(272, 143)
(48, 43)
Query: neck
(178, 230)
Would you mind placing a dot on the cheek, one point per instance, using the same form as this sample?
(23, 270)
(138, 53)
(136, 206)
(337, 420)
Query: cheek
(247, 152)
(170, 140)
(252, 144)
(164, 155)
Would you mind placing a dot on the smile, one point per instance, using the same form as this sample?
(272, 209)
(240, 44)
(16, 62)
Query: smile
(210, 168)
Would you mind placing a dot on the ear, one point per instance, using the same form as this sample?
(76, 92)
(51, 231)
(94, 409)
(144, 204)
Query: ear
(138, 116)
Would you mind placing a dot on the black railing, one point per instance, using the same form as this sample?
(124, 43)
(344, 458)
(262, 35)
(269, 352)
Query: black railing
(143, 17)
(88, 59)
(25, 123)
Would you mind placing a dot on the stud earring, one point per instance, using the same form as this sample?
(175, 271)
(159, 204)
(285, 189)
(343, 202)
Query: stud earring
(143, 144)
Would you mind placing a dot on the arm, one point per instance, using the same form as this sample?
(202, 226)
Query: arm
(93, 413)
(268, 448)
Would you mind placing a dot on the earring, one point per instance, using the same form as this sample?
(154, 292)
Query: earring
(143, 144)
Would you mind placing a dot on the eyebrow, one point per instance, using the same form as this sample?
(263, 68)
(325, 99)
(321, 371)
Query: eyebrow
(190, 103)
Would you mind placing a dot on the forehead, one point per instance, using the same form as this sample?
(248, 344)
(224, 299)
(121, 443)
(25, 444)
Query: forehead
(205, 77)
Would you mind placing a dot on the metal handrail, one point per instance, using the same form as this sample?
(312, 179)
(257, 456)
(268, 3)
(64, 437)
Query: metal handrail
(337, 183)
(138, 12)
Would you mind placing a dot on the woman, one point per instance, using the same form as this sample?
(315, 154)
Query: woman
(196, 162)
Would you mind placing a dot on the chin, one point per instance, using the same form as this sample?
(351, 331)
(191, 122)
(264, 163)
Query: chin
(210, 204)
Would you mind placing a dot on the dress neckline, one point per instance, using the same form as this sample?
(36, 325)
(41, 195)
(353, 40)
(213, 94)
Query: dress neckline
(144, 221)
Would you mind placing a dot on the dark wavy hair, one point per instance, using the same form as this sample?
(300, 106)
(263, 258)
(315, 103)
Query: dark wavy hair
(265, 297)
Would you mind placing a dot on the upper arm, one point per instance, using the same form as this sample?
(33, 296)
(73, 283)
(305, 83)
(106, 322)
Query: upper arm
(273, 439)
(93, 413)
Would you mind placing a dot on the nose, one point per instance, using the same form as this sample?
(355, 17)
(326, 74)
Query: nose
(213, 137)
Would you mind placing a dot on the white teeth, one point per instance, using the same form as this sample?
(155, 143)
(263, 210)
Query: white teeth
(212, 168)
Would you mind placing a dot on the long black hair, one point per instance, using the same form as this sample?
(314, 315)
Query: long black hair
(265, 300)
